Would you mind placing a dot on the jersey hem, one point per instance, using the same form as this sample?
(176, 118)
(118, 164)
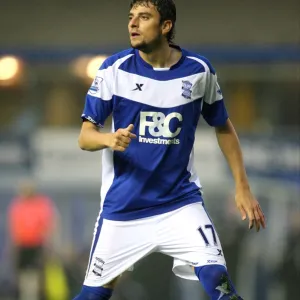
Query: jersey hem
(129, 216)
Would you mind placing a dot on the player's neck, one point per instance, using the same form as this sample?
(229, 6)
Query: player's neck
(163, 57)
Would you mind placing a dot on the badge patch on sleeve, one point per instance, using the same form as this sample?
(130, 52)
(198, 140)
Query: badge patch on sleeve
(218, 89)
(96, 85)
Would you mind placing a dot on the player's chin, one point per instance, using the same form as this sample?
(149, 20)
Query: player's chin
(137, 45)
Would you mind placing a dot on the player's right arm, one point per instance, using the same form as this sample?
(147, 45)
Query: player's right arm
(91, 139)
(99, 105)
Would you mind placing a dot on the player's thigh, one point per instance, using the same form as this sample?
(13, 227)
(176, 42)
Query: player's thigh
(116, 247)
(189, 236)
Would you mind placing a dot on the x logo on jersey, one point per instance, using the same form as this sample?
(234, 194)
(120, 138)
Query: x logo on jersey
(138, 87)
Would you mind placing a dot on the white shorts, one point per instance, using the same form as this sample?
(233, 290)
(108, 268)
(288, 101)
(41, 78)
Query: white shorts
(187, 234)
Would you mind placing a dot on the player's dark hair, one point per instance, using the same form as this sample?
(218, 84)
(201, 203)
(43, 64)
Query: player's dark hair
(166, 9)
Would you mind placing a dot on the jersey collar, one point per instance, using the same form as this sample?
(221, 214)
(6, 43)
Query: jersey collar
(162, 69)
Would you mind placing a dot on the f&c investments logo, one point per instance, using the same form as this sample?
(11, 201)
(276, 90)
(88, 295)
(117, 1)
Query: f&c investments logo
(158, 126)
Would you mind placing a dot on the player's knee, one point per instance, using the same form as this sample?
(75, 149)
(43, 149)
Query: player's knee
(212, 273)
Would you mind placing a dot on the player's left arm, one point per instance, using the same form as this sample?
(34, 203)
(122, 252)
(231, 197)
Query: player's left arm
(245, 201)
(215, 114)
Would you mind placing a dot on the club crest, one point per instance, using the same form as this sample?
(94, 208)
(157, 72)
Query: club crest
(186, 89)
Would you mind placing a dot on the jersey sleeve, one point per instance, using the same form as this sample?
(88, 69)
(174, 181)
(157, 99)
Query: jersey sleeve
(213, 110)
(99, 99)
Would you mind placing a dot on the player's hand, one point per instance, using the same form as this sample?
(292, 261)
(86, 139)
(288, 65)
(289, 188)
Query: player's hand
(120, 140)
(249, 207)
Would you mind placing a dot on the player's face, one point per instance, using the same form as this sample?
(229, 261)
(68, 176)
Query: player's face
(145, 30)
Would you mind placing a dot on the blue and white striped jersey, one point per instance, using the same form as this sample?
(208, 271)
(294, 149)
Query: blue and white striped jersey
(155, 174)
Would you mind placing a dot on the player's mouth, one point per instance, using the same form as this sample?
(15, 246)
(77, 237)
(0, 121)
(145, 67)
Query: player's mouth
(134, 34)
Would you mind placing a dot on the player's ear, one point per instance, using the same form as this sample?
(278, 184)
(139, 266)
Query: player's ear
(166, 27)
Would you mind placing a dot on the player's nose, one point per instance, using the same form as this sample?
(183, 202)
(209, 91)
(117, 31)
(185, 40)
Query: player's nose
(133, 23)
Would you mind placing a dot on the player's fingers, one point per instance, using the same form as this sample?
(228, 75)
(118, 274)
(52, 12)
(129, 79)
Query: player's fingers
(129, 127)
(251, 218)
(132, 135)
(257, 220)
(127, 133)
(243, 212)
(262, 216)
(125, 139)
(117, 142)
(119, 148)
(122, 144)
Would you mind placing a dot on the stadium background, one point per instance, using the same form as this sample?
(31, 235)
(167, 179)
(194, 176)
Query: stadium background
(255, 47)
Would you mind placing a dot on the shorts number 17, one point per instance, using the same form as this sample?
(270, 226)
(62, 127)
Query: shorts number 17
(211, 228)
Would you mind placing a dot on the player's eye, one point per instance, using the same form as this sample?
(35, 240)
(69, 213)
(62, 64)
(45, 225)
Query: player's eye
(144, 18)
